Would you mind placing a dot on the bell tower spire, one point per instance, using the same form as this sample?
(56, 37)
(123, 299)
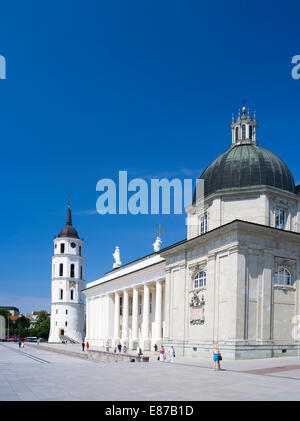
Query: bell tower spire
(243, 129)
(69, 216)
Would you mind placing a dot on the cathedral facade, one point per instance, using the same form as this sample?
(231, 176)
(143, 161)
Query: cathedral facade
(235, 279)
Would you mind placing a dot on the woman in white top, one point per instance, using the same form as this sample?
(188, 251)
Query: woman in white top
(216, 357)
(171, 353)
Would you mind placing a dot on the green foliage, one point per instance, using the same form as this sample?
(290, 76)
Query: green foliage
(23, 322)
(5, 313)
(42, 325)
(40, 329)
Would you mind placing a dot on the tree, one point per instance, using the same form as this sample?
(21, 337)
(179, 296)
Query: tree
(6, 314)
(42, 324)
(24, 325)
(23, 321)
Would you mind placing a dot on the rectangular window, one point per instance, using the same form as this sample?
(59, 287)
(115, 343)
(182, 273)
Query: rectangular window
(62, 248)
(203, 224)
(280, 218)
(79, 250)
(66, 311)
(66, 323)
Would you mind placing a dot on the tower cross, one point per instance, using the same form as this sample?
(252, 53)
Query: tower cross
(159, 230)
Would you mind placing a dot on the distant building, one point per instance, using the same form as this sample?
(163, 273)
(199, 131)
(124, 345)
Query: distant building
(33, 317)
(14, 311)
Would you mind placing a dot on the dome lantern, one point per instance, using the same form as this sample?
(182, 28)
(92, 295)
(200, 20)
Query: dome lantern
(243, 129)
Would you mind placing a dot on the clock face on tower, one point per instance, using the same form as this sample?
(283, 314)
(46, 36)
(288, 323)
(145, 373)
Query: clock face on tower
(73, 245)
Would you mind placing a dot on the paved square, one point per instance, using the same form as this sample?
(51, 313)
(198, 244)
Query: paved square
(39, 374)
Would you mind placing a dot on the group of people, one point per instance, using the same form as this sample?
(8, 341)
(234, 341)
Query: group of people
(119, 348)
(217, 357)
(162, 353)
(83, 346)
(21, 344)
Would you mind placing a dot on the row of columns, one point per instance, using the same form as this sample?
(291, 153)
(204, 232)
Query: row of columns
(135, 314)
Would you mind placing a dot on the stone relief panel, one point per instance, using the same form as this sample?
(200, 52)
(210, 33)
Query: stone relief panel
(197, 307)
(196, 294)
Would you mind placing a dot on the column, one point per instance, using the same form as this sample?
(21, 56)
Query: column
(125, 315)
(110, 316)
(92, 319)
(134, 329)
(98, 320)
(87, 320)
(103, 316)
(145, 329)
(158, 302)
(117, 318)
(167, 304)
(265, 299)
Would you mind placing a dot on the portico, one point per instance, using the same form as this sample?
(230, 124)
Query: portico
(131, 314)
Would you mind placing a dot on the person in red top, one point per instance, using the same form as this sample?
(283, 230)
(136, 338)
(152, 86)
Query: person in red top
(87, 345)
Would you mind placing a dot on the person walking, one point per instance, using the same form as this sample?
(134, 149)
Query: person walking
(217, 357)
(119, 347)
(83, 345)
(87, 346)
(171, 352)
(162, 356)
(155, 348)
(19, 343)
(124, 349)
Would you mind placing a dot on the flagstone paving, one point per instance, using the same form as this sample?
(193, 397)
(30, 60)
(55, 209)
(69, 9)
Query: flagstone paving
(34, 373)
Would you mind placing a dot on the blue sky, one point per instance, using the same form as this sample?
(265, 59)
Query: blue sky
(96, 87)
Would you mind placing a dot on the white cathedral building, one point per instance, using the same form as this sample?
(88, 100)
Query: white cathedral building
(67, 300)
(235, 279)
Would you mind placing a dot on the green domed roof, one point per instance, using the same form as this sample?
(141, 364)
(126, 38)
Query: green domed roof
(247, 165)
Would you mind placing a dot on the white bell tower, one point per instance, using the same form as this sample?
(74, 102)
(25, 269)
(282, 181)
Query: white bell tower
(67, 305)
